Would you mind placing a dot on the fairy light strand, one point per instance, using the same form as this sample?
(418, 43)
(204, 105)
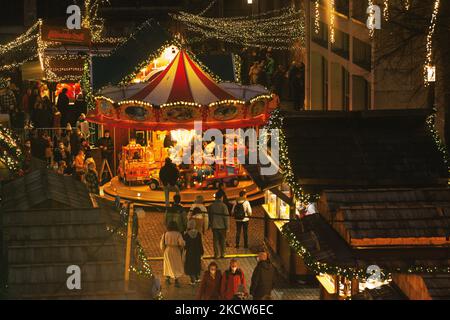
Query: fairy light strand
(429, 45)
(332, 32)
(317, 16)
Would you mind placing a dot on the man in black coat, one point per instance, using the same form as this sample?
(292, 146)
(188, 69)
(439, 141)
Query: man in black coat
(263, 278)
(63, 107)
(169, 175)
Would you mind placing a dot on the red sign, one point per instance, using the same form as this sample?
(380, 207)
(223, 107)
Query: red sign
(64, 35)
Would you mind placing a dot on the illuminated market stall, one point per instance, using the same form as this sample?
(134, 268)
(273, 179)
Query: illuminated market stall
(156, 116)
(351, 212)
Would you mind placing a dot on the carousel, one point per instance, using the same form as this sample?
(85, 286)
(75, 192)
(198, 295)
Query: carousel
(158, 119)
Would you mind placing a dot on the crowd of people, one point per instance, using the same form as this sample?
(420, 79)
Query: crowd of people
(260, 67)
(182, 246)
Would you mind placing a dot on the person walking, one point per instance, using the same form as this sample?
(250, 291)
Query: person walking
(219, 223)
(199, 214)
(63, 106)
(177, 213)
(79, 165)
(241, 212)
(169, 176)
(91, 178)
(233, 283)
(106, 145)
(221, 191)
(194, 252)
(263, 278)
(210, 285)
(172, 245)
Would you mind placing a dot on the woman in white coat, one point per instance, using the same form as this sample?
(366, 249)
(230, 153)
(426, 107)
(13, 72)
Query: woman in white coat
(172, 244)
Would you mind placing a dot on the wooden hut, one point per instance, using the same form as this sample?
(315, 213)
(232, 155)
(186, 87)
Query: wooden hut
(51, 222)
(383, 197)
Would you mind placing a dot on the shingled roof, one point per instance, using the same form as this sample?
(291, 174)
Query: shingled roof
(44, 189)
(368, 149)
(53, 231)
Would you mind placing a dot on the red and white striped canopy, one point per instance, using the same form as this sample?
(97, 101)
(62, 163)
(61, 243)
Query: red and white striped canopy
(182, 81)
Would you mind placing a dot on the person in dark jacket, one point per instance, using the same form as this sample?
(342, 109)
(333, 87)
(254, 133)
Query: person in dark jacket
(219, 222)
(194, 252)
(169, 175)
(75, 142)
(233, 283)
(63, 106)
(210, 284)
(263, 278)
(177, 213)
(106, 145)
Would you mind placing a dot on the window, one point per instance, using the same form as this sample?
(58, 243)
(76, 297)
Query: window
(339, 87)
(341, 44)
(362, 54)
(359, 10)
(12, 13)
(319, 82)
(361, 94)
(342, 6)
(321, 38)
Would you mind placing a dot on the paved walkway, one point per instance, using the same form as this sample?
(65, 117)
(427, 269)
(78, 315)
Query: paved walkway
(151, 228)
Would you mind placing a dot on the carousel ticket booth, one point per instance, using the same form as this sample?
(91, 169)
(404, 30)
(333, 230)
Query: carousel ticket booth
(164, 117)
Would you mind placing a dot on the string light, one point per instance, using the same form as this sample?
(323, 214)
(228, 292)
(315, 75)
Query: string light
(11, 154)
(429, 45)
(22, 39)
(85, 84)
(276, 122)
(276, 29)
(386, 10)
(371, 19)
(332, 9)
(407, 4)
(317, 16)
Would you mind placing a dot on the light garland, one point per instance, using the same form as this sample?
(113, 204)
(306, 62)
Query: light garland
(86, 86)
(276, 29)
(371, 19)
(407, 4)
(11, 155)
(429, 45)
(237, 65)
(22, 39)
(317, 16)
(386, 10)
(332, 9)
(276, 122)
(431, 123)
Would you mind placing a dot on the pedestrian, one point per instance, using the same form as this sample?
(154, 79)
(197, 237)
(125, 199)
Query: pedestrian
(176, 213)
(169, 176)
(241, 212)
(8, 101)
(83, 126)
(91, 178)
(199, 213)
(233, 283)
(219, 223)
(254, 72)
(106, 145)
(278, 80)
(79, 165)
(210, 284)
(63, 106)
(172, 245)
(194, 252)
(263, 278)
(26, 104)
(75, 141)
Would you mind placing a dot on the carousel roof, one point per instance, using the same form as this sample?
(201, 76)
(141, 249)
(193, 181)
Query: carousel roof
(182, 81)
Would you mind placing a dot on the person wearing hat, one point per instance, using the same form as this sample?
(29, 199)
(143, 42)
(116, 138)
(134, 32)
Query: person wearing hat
(199, 214)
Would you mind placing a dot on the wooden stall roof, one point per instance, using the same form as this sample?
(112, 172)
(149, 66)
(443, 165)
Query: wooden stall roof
(325, 244)
(386, 292)
(42, 242)
(264, 182)
(371, 226)
(438, 286)
(44, 189)
(331, 200)
(365, 149)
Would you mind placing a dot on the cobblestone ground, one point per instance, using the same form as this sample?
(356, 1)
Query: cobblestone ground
(151, 228)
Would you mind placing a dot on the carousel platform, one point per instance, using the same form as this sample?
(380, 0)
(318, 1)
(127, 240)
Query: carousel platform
(144, 195)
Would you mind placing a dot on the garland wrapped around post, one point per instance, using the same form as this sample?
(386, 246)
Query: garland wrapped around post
(86, 85)
(276, 122)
